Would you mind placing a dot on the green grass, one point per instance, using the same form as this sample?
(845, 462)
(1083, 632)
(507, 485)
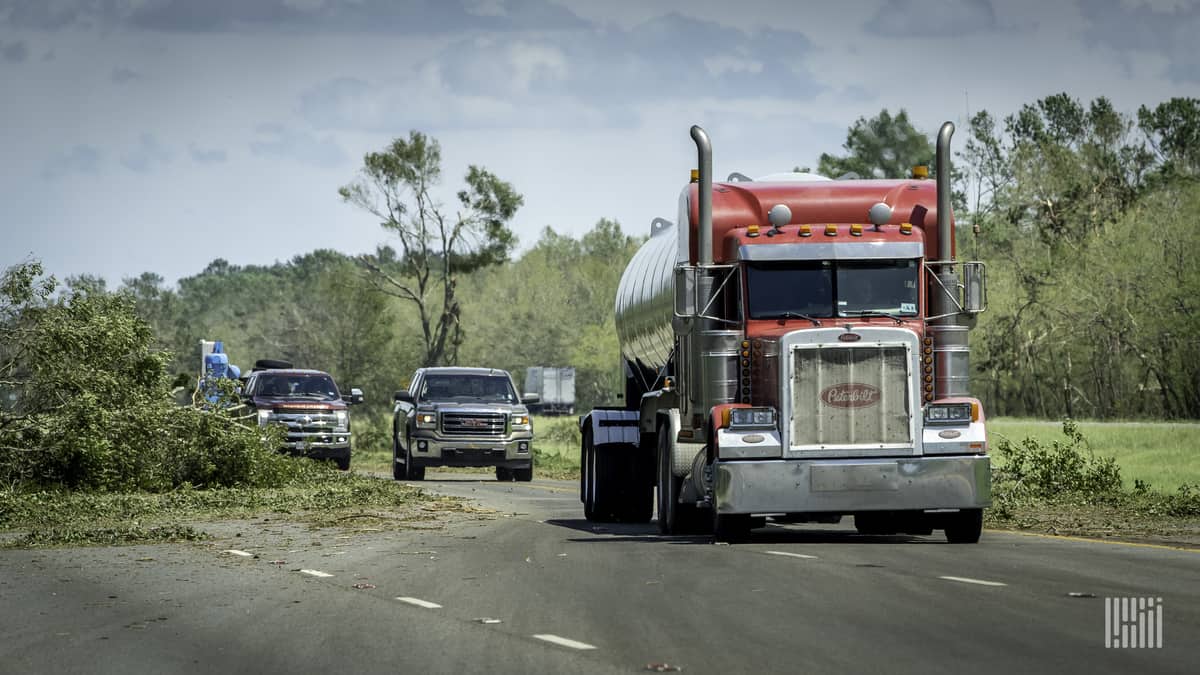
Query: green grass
(1163, 454)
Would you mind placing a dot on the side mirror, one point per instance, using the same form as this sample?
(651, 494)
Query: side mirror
(974, 287)
(402, 396)
(528, 399)
(356, 395)
(685, 292)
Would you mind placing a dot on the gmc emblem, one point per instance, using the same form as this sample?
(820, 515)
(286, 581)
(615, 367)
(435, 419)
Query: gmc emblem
(477, 424)
(850, 395)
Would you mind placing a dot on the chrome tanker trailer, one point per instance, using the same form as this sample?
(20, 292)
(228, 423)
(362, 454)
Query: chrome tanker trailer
(796, 348)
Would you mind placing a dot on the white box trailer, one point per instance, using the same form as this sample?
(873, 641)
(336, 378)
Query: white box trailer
(555, 386)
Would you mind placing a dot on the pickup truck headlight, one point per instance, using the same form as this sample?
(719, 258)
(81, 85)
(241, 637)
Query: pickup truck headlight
(264, 416)
(426, 420)
(342, 420)
(520, 422)
(948, 413)
(752, 418)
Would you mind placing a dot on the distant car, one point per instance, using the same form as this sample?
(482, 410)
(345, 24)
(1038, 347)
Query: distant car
(309, 404)
(462, 417)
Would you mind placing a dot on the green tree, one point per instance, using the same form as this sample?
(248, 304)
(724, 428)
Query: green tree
(1173, 131)
(436, 246)
(881, 147)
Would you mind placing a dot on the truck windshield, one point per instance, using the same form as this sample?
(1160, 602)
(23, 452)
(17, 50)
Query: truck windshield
(885, 286)
(316, 387)
(802, 289)
(491, 388)
(777, 290)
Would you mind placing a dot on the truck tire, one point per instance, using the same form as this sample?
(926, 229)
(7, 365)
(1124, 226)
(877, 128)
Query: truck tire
(730, 528)
(673, 517)
(587, 477)
(343, 463)
(398, 470)
(965, 527)
(503, 474)
(523, 475)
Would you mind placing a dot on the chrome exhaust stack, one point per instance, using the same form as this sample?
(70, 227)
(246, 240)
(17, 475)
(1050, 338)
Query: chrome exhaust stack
(951, 352)
(704, 255)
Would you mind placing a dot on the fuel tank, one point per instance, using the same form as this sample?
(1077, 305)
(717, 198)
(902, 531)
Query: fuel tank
(646, 300)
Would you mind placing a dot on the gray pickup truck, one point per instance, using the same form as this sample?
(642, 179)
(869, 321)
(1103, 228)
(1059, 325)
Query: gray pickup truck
(462, 417)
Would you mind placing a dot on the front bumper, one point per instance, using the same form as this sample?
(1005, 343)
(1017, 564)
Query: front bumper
(853, 485)
(472, 452)
(317, 450)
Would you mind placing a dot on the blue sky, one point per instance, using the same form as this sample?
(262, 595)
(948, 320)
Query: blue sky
(157, 135)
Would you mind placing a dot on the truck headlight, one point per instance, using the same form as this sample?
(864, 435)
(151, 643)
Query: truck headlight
(752, 418)
(264, 416)
(426, 420)
(948, 413)
(520, 421)
(342, 420)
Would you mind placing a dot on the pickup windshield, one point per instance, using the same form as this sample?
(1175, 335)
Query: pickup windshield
(802, 289)
(316, 387)
(489, 388)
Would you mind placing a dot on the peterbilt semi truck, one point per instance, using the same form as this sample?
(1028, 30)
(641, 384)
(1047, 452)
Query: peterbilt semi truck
(795, 349)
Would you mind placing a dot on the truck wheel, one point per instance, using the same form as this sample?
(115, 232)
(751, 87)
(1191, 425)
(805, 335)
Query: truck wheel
(965, 527)
(673, 517)
(398, 470)
(730, 528)
(588, 477)
(503, 474)
(523, 475)
(343, 463)
(413, 472)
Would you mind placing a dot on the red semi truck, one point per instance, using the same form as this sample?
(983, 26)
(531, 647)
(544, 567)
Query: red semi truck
(795, 348)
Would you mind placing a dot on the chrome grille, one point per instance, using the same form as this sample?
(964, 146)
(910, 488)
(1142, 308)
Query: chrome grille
(302, 423)
(476, 425)
(850, 396)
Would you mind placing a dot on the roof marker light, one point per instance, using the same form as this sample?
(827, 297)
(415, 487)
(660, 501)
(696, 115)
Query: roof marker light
(905, 228)
(831, 230)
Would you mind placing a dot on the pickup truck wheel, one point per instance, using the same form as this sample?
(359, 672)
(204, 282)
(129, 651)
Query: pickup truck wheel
(343, 463)
(523, 475)
(414, 472)
(399, 471)
(503, 474)
(965, 527)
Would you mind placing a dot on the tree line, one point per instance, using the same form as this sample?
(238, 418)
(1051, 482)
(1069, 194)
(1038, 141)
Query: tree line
(1084, 215)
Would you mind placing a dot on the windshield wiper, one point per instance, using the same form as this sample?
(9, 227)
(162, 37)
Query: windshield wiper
(873, 312)
(784, 316)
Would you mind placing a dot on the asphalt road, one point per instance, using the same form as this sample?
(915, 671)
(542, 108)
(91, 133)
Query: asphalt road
(535, 588)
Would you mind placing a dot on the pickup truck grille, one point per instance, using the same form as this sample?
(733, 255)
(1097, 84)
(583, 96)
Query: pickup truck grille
(303, 424)
(475, 425)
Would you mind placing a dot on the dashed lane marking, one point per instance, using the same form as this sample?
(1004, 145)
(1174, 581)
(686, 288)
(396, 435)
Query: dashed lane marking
(792, 555)
(420, 603)
(564, 642)
(234, 551)
(980, 582)
(316, 573)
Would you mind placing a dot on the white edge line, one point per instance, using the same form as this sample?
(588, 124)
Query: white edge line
(234, 551)
(565, 642)
(420, 603)
(316, 573)
(980, 582)
(793, 555)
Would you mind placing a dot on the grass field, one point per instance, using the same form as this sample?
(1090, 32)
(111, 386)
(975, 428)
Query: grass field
(1164, 454)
